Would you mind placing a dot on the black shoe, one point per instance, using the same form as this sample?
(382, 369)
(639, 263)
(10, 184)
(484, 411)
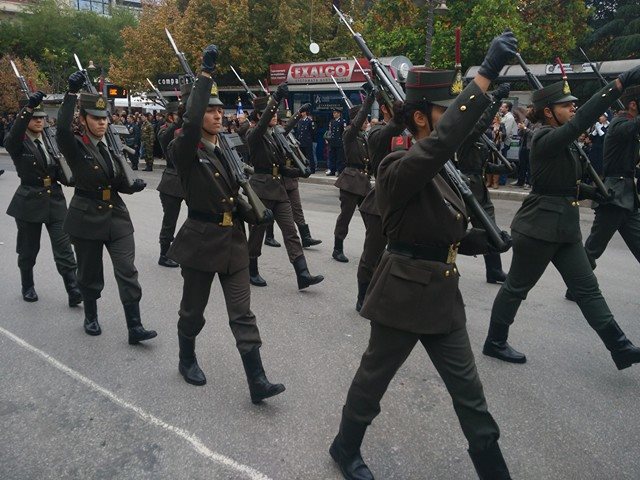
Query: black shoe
(2, 172)
(188, 365)
(137, 333)
(490, 464)
(28, 291)
(167, 262)
(496, 345)
(345, 450)
(305, 279)
(147, 169)
(271, 242)
(362, 290)
(71, 285)
(134, 167)
(338, 251)
(259, 387)
(493, 265)
(305, 236)
(254, 274)
(623, 352)
(91, 325)
(569, 296)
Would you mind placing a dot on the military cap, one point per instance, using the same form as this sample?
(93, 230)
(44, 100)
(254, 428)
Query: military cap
(172, 107)
(37, 111)
(353, 111)
(93, 104)
(305, 109)
(214, 100)
(260, 103)
(558, 92)
(432, 86)
(630, 93)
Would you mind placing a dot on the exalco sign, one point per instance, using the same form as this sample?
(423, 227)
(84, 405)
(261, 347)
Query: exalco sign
(115, 91)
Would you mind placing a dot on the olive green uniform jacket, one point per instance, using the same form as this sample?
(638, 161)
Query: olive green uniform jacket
(169, 183)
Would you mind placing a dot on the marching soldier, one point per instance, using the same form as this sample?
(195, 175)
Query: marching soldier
(97, 216)
(170, 188)
(546, 228)
(621, 155)
(472, 160)
(335, 162)
(38, 201)
(147, 136)
(270, 167)
(379, 146)
(212, 239)
(354, 181)
(414, 293)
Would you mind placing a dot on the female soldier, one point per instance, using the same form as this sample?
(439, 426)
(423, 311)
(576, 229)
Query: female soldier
(547, 226)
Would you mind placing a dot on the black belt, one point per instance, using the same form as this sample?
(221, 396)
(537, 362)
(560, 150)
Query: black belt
(555, 191)
(623, 175)
(44, 182)
(274, 171)
(425, 252)
(223, 219)
(105, 194)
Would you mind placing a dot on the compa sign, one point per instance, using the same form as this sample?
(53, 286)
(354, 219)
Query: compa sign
(319, 72)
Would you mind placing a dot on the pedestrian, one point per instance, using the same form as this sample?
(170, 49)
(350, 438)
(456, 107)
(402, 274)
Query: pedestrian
(414, 293)
(546, 228)
(354, 181)
(212, 239)
(39, 200)
(525, 131)
(335, 161)
(98, 217)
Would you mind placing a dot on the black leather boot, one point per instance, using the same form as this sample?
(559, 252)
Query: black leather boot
(569, 296)
(493, 264)
(28, 291)
(345, 450)
(259, 387)
(188, 365)
(623, 352)
(137, 332)
(164, 260)
(254, 274)
(496, 345)
(305, 236)
(269, 239)
(362, 290)
(305, 279)
(490, 464)
(338, 251)
(71, 285)
(91, 325)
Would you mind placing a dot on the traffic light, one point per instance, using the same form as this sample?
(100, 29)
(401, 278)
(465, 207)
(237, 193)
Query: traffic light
(116, 91)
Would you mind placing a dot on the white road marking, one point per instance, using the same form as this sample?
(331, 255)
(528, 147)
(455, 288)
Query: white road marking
(193, 440)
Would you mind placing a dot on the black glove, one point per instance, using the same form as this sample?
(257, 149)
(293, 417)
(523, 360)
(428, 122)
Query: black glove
(506, 243)
(368, 88)
(35, 99)
(281, 92)
(138, 185)
(630, 77)
(209, 58)
(502, 49)
(502, 91)
(76, 82)
(268, 217)
(305, 108)
(590, 192)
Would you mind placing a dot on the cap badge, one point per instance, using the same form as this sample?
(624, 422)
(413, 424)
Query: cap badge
(100, 104)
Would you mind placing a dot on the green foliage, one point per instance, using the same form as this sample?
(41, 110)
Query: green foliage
(618, 33)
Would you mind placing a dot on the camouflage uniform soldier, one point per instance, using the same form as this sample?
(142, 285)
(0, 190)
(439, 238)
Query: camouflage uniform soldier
(147, 144)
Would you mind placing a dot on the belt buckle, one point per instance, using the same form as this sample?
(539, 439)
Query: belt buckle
(106, 194)
(452, 253)
(227, 219)
(46, 181)
(274, 171)
(288, 163)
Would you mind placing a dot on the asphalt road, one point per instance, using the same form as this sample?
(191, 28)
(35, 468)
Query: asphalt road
(80, 407)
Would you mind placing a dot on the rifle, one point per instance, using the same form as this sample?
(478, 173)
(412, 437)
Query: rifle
(396, 93)
(602, 79)
(244, 84)
(113, 138)
(48, 135)
(536, 85)
(342, 94)
(159, 97)
(228, 143)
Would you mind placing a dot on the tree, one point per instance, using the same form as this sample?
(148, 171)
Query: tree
(617, 30)
(10, 93)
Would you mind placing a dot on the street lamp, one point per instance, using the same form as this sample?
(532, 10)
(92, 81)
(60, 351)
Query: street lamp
(433, 8)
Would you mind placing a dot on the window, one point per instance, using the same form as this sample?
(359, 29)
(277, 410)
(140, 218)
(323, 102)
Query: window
(98, 6)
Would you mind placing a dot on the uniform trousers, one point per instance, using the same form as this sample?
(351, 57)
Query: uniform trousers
(284, 218)
(308, 152)
(336, 159)
(608, 220)
(237, 296)
(374, 245)
(348, 203)
(90, 267)
(28, 245)
(171, 211)
(530, 259)
(453, 359)
(296, 206)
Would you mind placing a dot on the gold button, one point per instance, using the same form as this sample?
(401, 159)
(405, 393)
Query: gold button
(455, 270)
(447, 273)
(274, 178)
(99, 207)
(573, 204)
(110, 206)
(604, 94)
(216, 174)
(463, 108)
(34, 163)
(224, 200)
(472, 97)
(95, 167)
(231, 199)
(458, 216)
(48, 191)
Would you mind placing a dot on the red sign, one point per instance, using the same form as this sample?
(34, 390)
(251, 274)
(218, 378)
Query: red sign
(318, 72)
